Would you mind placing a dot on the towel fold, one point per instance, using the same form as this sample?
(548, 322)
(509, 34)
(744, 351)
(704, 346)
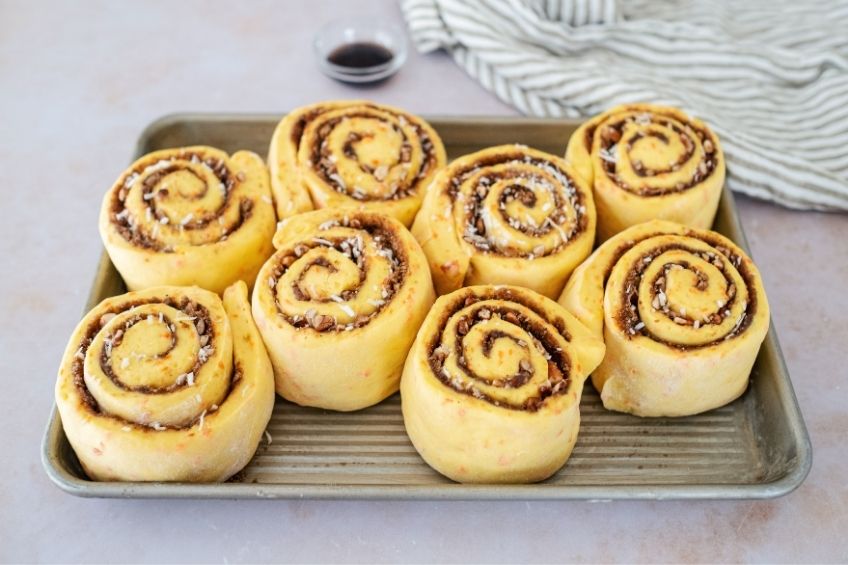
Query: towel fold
(769, 76)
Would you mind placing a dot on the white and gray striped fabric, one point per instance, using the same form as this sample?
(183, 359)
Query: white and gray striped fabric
(769, 76)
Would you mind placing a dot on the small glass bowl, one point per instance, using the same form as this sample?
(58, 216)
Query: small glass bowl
(339, 33)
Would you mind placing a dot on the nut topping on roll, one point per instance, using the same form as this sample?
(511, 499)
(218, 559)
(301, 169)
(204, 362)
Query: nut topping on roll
(166, 384)
(339, 306)
(491, 388)
(189, 216)
(353, 154)
(683, 313)
(649, 162)
(506, 215)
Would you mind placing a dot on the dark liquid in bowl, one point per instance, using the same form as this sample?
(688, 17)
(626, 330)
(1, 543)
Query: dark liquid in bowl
(360, 55)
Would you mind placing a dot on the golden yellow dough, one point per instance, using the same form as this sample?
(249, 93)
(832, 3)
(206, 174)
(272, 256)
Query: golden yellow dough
(506, 215)
(338, 306)
(166, 384)
(647, 162)
(699, 315)
(189, 216)
(353, 154)
(491, 389)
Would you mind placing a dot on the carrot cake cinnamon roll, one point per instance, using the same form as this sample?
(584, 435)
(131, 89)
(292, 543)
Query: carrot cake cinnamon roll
(338, 306)
(166, 384)
(506, 215)
(189, 216)
(491, 388)
(353, 154)
(683, 313)
(647, 162)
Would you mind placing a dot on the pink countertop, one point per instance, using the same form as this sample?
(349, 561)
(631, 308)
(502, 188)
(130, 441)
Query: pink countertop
(79, 83)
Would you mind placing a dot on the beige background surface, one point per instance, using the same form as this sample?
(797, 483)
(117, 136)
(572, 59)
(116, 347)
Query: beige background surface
(77, 85)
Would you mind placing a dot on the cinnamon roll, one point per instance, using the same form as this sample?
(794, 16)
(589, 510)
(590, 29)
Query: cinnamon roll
(683, 313)
(166, 384)
(338, 306)
(649, 162)
(491, 388)
(353, 154)
(189, 216)
(506, 215)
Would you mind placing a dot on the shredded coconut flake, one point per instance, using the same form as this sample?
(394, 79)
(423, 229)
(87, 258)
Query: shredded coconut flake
(381, 172)
(562, 235)
(643, 119)
(609, 155)
(205, 352)
(130, 179)
(339, 180)
(158, 165)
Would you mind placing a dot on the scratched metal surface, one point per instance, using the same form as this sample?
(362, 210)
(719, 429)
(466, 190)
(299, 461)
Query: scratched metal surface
(756, 447)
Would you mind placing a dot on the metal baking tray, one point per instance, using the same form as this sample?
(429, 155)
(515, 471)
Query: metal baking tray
(756, 447)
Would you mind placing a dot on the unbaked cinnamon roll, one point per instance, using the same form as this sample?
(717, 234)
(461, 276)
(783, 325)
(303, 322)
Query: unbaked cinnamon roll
(338, 306)
(491, 388)
(353, 154)
(189, 216)
(166, 384)
(506, 215)
(683, 313)
(649, 162)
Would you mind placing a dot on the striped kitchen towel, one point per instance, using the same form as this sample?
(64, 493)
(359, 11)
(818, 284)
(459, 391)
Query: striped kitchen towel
(769, 76)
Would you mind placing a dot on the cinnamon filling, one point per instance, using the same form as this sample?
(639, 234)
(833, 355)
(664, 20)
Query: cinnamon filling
(543, 340)
(325, 162)
(611, 134)
(629, 320)
(205, 329)
(475, 227)
(389, 246)
(203, 325)
(130, 229)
